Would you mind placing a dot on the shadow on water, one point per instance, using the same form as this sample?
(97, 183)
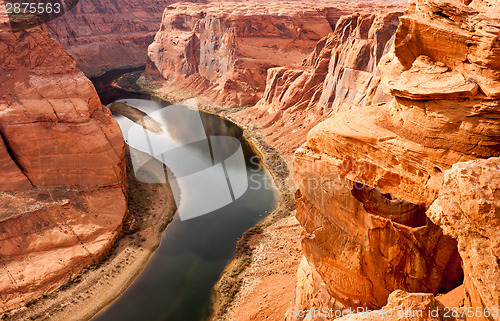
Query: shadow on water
(177, 283)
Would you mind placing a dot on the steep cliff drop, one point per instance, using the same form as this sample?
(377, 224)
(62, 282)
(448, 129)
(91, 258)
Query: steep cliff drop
(103, 35)
(281, 57)
(222, 50)
(291, 99)
(387, 190)
(340, 73)
(62, 157)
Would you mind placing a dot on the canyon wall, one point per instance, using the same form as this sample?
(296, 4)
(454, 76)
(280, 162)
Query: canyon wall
(401, 98)
(223, 50)
(341, 72)
(227, 52)
(62, 156)
(102, 35)
(381, 202)
(467, 209)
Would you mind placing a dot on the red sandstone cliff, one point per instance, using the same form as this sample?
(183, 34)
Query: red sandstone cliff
(62, 195)
(260, 53)
(224, 51)
(102, 35)
(367, 176)
(467, 209)
(340, 73)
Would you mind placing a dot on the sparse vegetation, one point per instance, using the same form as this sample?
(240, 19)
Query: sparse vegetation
(230, 283)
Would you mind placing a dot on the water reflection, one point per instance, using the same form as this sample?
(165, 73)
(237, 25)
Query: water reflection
(177, 283)
(210, 171)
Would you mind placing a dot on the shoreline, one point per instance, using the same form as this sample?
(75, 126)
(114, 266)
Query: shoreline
(232, 278)
(151, 209)
(97, 287)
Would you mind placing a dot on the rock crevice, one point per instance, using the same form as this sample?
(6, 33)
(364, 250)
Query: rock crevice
(62, 157)
(432, 114)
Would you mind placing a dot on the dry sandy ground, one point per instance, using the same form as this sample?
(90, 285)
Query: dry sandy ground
(151, 208)
(269, 282)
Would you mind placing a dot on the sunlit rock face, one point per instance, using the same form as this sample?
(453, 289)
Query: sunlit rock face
(295, 61)
(368, 175)
(362, 244)
(223, 50)
(468, 210)
(339, 74)
(62, 193)
(102, 35)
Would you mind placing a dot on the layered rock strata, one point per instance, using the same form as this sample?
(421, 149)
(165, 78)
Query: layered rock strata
(102, 35)
(224, 51)
(367, 176)
(339, 74)
(62, 195)
(363, 243)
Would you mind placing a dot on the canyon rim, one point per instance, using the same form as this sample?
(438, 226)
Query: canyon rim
(378, 120)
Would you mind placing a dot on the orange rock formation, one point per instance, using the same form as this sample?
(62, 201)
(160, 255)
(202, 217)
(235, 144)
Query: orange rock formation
(62, 195)
(224, 51)
(340, 73)
(368, 175)
(102, 35)
(467, 209)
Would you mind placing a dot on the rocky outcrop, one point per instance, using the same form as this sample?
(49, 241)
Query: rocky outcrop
(362, 243)
(223, 50)
(461, 35)
(102, 35)
(468, 210)
(368, 175)
(337, 75)
(62, 196)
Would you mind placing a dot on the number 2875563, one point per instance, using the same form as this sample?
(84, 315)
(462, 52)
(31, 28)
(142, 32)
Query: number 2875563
(33, 8)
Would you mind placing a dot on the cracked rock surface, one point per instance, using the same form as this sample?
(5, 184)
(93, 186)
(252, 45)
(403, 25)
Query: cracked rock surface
(62, 156)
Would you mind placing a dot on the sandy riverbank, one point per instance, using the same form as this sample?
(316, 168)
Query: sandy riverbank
(260, 282)
(151, 208)
(266, 286)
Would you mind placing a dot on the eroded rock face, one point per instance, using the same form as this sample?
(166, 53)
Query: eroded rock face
(364, 244)
(224, 50)
(468, 209)
(102, 35)
(462, 36)
(443, 109)
(62, 195)
(336, 76)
